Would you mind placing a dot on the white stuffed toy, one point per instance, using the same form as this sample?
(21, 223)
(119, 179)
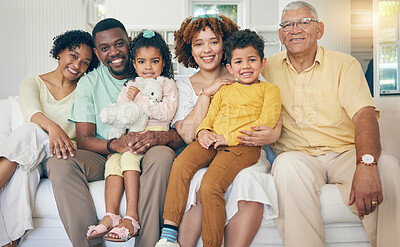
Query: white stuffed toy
(128, 115)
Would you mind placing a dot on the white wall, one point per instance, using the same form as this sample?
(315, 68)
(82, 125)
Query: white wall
(147, 14)
(28, 27)
(12, 41)
(31, 25)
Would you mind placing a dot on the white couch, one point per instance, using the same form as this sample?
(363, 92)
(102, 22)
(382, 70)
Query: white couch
(341, 226)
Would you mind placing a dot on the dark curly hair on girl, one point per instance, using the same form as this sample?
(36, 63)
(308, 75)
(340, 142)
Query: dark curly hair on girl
(223, 29)
(157, 42)
(72, 39)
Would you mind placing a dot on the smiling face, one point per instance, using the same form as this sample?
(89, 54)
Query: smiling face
(148, 62)
(246, 65)
(73, 63)
(301, 41)
(207, 49)
(112, 50)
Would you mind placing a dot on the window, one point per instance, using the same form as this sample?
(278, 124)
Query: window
(229, 10)
(388, 40)
(234, 9)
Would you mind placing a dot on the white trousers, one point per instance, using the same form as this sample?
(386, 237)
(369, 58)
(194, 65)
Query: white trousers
(28, 146)
(299, 178)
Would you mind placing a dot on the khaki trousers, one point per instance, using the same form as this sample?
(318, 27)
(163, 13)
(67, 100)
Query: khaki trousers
(299, 178)
(224, 164)
(70, 179)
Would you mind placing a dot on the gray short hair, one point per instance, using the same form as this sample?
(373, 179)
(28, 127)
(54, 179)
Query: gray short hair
(300, 4)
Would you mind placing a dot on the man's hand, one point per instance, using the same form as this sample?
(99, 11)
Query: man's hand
(206, 138)
(137, 142)
(366, 189)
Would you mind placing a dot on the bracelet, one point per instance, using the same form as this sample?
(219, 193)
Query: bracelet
(206, 94)
(108, 146)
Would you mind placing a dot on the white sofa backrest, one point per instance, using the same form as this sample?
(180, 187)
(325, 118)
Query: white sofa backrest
(389, 124)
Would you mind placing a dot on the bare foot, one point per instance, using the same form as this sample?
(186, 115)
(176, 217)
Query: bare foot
(124, 223)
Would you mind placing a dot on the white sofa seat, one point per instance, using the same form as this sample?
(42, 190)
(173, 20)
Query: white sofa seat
(342, 228)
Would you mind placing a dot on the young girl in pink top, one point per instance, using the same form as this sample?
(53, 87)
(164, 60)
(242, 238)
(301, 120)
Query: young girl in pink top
(151, 58)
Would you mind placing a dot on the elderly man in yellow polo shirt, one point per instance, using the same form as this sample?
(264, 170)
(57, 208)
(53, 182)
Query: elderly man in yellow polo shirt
(330, 135)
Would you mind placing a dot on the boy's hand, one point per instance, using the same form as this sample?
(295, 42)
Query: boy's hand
(132, 92)
(220, 141)
(206, 138)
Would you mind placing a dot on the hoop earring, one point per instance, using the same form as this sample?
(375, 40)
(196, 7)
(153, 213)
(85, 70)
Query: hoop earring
(223, 58)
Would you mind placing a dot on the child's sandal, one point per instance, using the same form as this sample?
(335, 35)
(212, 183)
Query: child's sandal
(123, 232)
(102, 229)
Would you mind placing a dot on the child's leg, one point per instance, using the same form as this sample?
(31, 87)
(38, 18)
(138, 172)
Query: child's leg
(222, 171)
(130, 167)
(114, 188)
(184, 167)
(7, 169)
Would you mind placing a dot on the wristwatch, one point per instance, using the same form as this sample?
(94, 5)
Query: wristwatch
(368, 160)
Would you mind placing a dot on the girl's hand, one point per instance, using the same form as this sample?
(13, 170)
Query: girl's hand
(217, 84)
(206, 138)
(60, 144)
(132, 92)
(220, 141)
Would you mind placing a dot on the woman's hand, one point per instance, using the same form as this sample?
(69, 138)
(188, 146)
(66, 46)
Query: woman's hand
(217, 84)
(206, 138)
(132, 92)
(261, 135)
(60, 144)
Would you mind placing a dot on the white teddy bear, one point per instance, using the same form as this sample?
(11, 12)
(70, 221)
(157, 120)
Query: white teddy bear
(128, 115)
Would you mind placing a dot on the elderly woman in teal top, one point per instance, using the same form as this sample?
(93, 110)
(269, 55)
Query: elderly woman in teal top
(46, 101)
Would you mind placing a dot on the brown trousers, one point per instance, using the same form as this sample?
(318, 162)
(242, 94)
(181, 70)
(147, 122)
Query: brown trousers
(70, 179)
(224, 164)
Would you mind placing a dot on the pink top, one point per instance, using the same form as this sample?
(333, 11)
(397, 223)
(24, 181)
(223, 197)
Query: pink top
(160, 113)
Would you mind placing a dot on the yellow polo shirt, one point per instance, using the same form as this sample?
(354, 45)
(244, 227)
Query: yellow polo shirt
(318, 104)
(238, 107)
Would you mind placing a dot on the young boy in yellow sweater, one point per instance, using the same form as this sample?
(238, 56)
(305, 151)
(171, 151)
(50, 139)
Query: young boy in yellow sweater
(244, 104)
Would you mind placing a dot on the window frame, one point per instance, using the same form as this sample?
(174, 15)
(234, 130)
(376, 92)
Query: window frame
(242, 9)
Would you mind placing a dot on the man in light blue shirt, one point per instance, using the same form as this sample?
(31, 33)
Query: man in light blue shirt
(70, 177)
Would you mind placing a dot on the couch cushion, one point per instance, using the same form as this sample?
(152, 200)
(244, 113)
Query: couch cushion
(332, 207)
(5, 122)
(16, 112)
(45, 205)
(388, 122)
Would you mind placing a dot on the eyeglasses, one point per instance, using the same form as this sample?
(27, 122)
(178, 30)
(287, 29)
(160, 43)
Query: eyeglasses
(304, 23)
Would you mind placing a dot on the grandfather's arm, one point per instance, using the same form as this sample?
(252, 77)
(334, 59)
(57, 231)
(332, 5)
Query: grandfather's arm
(366, 187)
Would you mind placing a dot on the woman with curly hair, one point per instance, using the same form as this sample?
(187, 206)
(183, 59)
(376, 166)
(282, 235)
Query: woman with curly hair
(46, 101)
(199, 44)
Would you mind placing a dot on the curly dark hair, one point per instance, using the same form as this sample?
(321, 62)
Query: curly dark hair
(157, 42)
(183, 37)
(71, 40)
(242, 39)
